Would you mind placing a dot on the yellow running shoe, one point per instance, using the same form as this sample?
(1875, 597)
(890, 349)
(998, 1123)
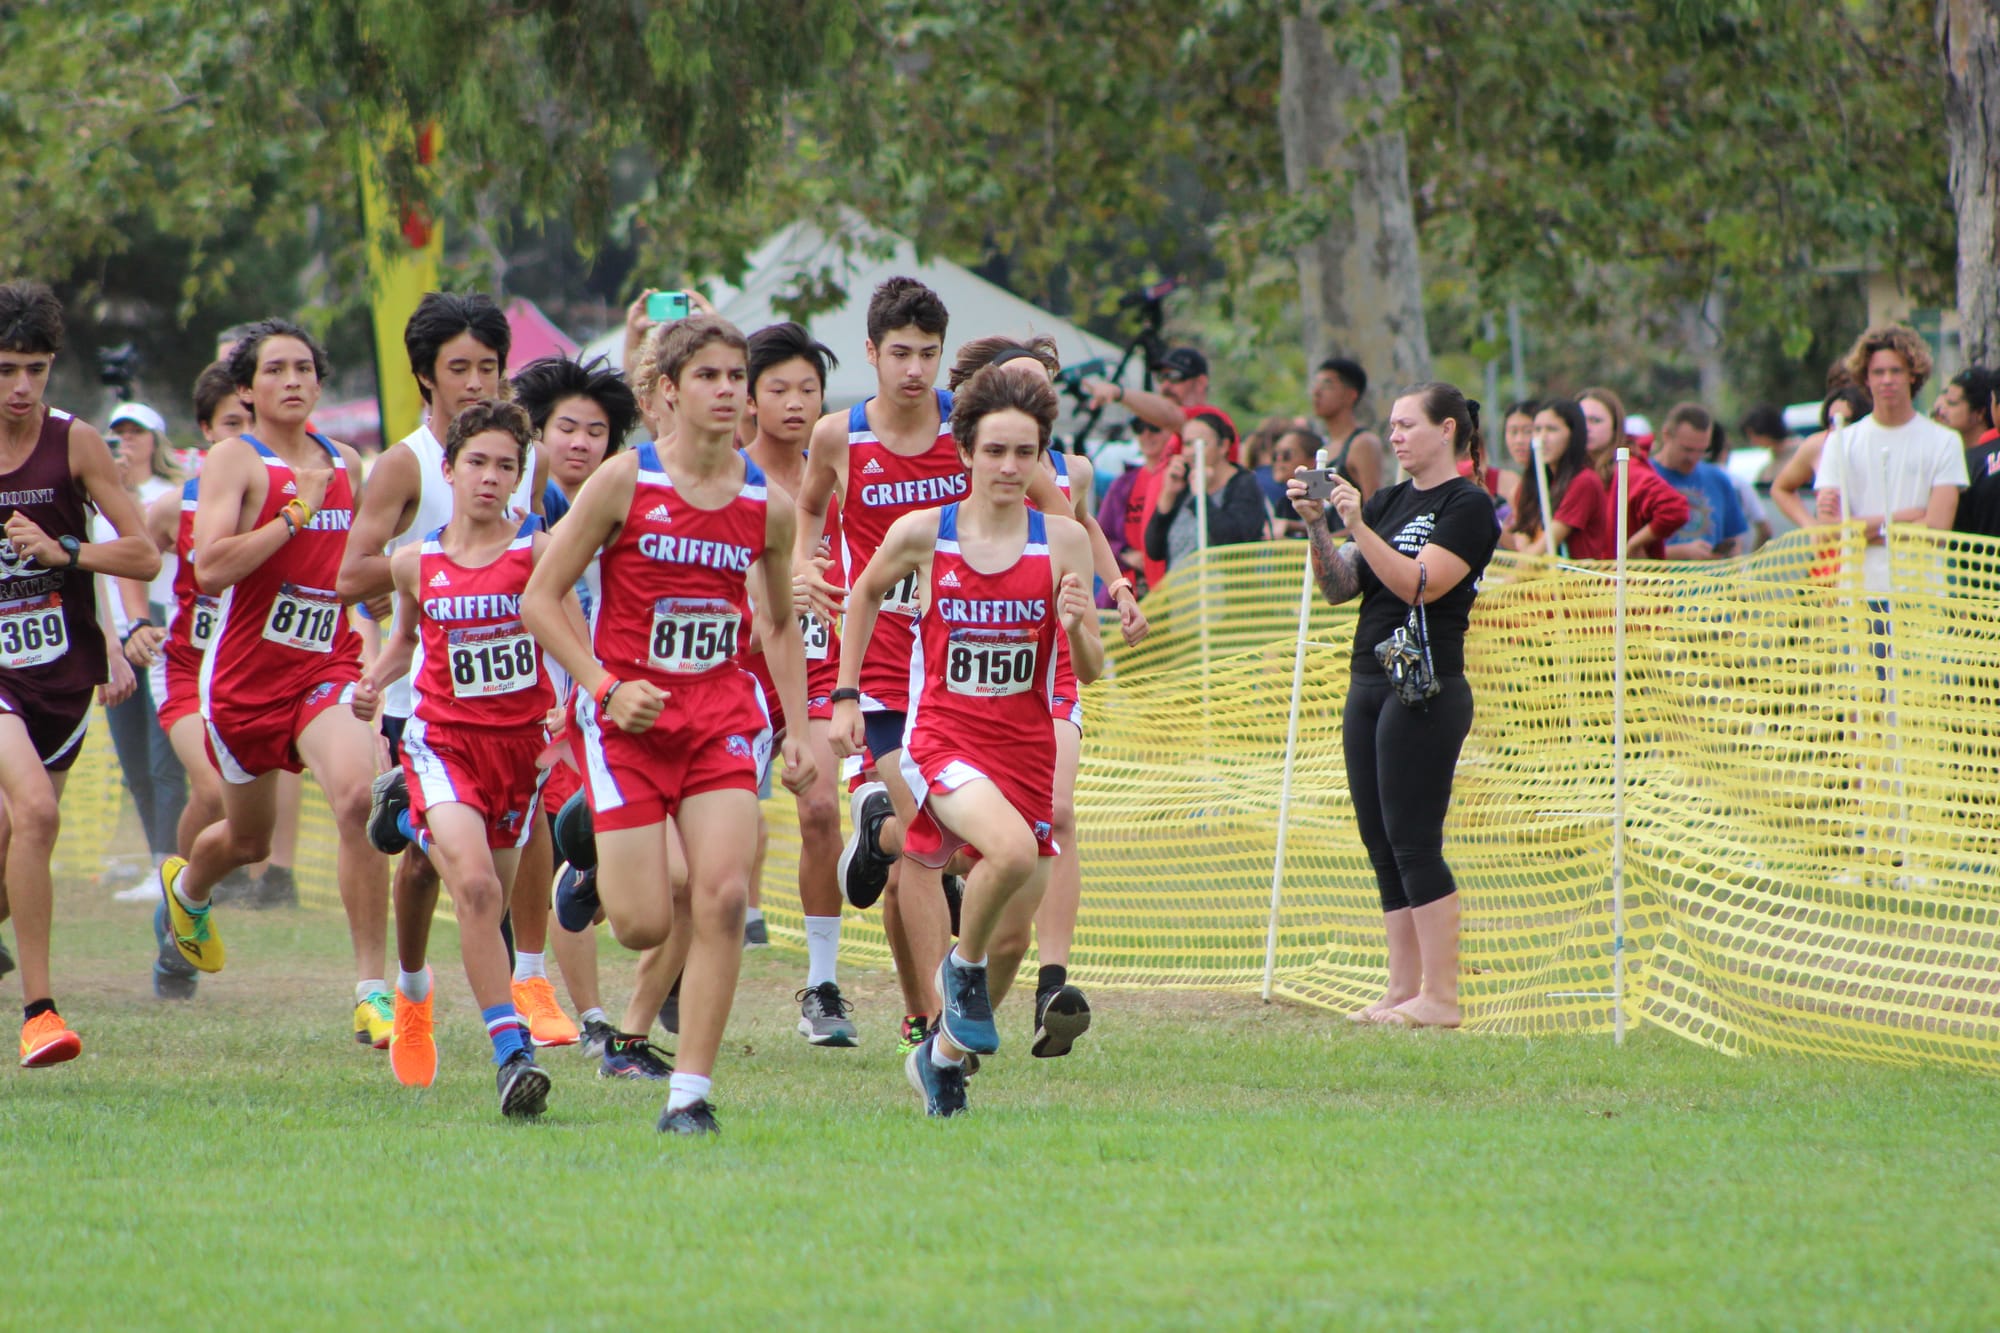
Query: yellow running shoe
(193, 933)
(413, 1053)
(548, 1025)
(375, 1021)
(46, 1040)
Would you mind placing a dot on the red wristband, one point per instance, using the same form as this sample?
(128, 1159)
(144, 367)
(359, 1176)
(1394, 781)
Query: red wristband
(603, 692)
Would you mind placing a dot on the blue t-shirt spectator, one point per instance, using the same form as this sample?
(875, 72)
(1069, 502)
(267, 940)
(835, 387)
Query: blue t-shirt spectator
(1715, 514)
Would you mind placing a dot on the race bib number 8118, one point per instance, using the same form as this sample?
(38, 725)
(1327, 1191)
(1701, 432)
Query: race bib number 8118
(303, 618)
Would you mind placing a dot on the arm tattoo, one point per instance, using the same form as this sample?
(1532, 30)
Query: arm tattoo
(1336, 567)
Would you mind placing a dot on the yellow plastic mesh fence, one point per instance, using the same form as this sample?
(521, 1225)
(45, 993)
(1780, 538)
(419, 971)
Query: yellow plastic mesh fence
(1812, 778)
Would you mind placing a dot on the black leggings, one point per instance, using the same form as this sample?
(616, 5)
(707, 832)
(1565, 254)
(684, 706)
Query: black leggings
(1400, 764)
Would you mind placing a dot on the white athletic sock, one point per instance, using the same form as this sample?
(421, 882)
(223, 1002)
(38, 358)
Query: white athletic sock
(414, 985)
(686, 1089)
(594, 1016)
(822, 950)
(941, 1060)
(183, 899)
(373, 986)
(528, 965)
(962, 961)
(753, 914)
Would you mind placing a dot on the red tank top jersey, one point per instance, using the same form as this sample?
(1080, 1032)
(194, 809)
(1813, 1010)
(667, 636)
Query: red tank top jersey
(476, 663)
(985, 663)
(671, 601)
(192, 629)
(281, 629)
(882, 486)
(820, 640)
(50, 645)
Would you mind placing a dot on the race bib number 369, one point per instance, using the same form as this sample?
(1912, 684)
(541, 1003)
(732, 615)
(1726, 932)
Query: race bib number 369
(693, 634)
(494, 659)
(32, 632)
(990, 664)
(303, 618)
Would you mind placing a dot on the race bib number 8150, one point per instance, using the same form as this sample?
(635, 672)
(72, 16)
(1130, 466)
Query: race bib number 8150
(693, 634)
(32, 632)
(303, 618)
(990, 665)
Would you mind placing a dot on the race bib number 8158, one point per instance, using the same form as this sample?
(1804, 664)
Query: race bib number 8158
(494, 659)
(693, 634)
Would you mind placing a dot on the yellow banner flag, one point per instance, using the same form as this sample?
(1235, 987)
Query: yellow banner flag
(401, 268)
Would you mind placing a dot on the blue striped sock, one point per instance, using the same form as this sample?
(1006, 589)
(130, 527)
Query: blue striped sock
(508, 1032)
(406, 825)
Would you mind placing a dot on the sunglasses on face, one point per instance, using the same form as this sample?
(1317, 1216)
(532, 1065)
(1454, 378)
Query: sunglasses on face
(1170, 377)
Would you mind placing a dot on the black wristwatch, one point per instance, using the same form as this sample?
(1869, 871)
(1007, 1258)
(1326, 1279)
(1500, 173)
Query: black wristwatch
(846, 694)
(72, 548)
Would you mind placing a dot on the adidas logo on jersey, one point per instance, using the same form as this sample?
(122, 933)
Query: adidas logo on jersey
(438, 580)
(659, 514)
(950, 579)
(874, 467)
(291, 488)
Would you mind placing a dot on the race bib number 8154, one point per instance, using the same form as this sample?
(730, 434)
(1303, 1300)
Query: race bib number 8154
(693, 634)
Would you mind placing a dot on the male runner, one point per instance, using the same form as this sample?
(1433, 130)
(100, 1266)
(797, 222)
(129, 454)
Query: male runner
(52, 649)
(997, 582)
(480, 705)
(582, 415)
(669, 727)
(274, 512)
(788, 387)
(458, 345)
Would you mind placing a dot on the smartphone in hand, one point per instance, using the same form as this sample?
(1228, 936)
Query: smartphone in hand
(1319, 483)
(666, 307)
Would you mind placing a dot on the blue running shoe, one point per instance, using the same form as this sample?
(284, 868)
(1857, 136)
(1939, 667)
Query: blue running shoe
(575, 838)
(943, 1090)
(576, 899)
(968, 1013)
(634, 1057)
(174, 978)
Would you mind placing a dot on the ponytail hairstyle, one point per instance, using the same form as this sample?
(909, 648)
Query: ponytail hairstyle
(1446, 402)
(1575, 458)
(999, 349)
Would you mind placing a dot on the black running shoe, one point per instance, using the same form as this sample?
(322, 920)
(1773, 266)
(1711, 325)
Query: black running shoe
(864, 868)
(943, 1090)
(695, 1119)
(524, 1085)
(954, 897)
(626, 1056)
(7, 959)
(595, 1038)
(279, 887)
(575, 838)
(174, 977)
(1061, 1016)
(235, 889)
(576, 899)
(670, 1009)
(755, 934)
(388, 796)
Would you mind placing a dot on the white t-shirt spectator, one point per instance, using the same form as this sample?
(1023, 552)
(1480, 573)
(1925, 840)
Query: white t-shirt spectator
(1914, 459)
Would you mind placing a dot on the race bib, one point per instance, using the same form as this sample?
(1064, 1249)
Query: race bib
(303, 618)
(901, 600)
(201, 629)
(817, 637)
(32, 632)
(693, 634)
(493, 659)
(990, 664)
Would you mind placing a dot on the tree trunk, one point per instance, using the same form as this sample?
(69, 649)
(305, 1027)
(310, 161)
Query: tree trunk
(1359, 280)
(1969, 32)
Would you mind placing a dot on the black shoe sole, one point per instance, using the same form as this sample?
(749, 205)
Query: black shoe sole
(528, 1094)
(689, 1126)
(383, 835)
(1058, 1032)
(855, 857)
(169, 987)
(580, 904)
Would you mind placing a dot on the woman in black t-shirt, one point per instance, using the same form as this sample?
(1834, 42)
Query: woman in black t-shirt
(1400, 760)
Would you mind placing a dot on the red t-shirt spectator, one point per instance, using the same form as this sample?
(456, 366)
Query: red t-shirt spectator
(1650, 499)
(1586, 510)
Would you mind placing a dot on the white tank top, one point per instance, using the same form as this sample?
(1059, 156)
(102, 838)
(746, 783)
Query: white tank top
(434, 506)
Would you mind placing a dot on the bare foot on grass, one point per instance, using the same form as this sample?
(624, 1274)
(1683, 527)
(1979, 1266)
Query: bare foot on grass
(1379, 1011)
(1424, 1012)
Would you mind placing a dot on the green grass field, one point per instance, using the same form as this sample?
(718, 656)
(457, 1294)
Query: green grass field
(1200, 1160)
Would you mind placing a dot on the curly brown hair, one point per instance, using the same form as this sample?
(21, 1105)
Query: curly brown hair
(489, 414)
(991, 389)
(1904, 341)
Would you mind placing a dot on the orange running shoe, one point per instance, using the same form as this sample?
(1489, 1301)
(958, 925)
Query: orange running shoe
(413, 1053)
(47, 1040)
(548, 1025)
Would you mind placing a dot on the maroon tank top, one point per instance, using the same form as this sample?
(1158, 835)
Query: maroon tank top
(50, 645)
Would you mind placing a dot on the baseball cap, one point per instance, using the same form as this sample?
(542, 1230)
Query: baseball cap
(1184, 362)
(141, 415)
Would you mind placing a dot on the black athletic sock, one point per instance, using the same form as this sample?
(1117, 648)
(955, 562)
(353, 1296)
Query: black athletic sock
(1053, 976)
(37, 1009)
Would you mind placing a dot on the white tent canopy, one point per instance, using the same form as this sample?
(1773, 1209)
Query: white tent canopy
(977, 306)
